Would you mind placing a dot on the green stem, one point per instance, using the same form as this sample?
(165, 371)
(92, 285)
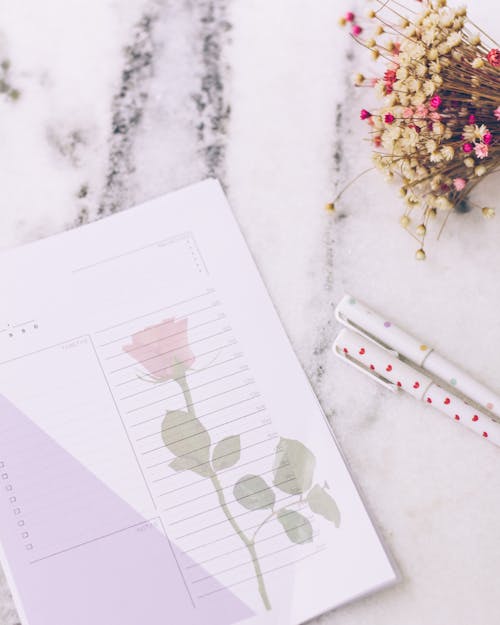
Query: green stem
(250, 544)
(187, 395)
(268, 518)
(272, 515)
(259, 576)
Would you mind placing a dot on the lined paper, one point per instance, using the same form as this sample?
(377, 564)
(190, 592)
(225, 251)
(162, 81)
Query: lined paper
(153, 410)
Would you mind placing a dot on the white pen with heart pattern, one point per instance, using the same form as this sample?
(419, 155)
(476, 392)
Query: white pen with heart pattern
(385, 367)
(355, 315)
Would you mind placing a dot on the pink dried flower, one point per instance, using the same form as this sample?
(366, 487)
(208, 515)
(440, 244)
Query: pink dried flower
(377, 141)
(435, 116)
(487, 138)
(436, 102)
(496, 113)
(467, 148)
(349, 16)
(365, 114)
(407, 113)
(422, 110)
(459, 183)
(481, 150)
(389, 80)
(494, 57)
(390, 76)
(389, 118)
(356, 30)
(472, 119)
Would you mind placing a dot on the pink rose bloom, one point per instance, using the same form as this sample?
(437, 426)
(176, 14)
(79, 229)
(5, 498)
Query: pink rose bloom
(407, 113)
(467, 148)
(163, 349)
(496, 113)
(481, 150)
(487, 138)
(459, 183)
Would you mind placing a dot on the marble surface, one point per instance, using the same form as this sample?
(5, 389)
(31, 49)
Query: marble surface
(120, 102)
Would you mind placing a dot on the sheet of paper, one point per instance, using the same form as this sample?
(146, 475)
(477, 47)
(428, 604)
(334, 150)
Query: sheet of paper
(163, 458)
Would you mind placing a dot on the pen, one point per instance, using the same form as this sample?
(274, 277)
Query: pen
(354, 314)
(385, 367)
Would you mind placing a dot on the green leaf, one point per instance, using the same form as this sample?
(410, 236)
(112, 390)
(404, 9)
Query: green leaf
(226, 453)
(294, 467)
(183, 464)
(322, 503)
(252, 492)
(188, 440)
(297, 526)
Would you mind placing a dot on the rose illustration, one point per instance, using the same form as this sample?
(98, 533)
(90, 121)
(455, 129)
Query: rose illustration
(163, 349)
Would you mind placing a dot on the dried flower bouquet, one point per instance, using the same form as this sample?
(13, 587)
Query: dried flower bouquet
(438, 127)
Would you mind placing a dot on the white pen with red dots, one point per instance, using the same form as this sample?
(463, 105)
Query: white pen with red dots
(385, 366)
(355, 315)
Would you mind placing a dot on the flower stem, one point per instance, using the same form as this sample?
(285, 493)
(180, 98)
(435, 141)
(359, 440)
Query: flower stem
(259, 576)
(250, 544)
(351, 182)
(187, 394)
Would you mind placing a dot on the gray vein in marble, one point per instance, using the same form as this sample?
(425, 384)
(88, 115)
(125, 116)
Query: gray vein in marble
(211, 99)
(68, 146)
(139, 82)
(340, 171)
(6, 87)
(128, 105)
(8, 613)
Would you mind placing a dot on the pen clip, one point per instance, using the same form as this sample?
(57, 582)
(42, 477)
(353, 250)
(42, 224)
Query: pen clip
(375, 376)
(359, 330)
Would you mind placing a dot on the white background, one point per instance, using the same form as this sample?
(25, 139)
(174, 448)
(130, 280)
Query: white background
(268, 79)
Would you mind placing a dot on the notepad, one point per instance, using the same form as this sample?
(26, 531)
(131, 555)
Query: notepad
(163, 458)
